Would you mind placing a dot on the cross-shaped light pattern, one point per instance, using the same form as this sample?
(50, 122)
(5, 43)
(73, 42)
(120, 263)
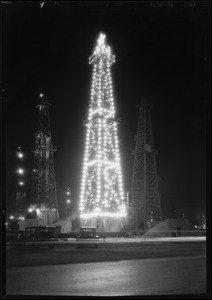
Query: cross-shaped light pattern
(101, 47)
(101, 39)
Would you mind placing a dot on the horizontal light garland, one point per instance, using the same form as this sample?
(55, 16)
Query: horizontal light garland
(103, 214)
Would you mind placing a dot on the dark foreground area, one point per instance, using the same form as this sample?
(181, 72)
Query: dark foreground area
(106, 252)
(184, 275)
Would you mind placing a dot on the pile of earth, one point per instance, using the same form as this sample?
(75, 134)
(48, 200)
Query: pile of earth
(173, 228)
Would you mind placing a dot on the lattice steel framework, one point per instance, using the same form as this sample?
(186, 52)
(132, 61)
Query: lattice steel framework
(102, 188)
(43, 188)
(144, 201)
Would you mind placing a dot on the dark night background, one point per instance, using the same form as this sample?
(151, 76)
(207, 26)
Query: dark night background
(162, 54)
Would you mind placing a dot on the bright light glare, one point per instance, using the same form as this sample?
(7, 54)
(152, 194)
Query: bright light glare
(101, 39)
(11, 217)
(68, 201)
(20, 171)
(41, 95)
(21, 183)
(20, 154)
(103, 214)
(29, 210)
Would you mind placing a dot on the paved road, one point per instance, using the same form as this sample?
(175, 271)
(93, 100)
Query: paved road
(109, 252)
(152, 276)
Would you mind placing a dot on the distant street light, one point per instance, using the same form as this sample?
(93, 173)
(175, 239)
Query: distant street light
(11, 217)
(69, 207)
(20, 181)
(68, 201)
(20, 154)
(20, 171)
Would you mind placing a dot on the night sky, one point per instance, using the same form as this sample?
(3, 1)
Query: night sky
(162, 54)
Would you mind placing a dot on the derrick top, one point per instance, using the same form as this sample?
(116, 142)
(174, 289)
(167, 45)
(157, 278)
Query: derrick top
(101, 47)
(102, 50)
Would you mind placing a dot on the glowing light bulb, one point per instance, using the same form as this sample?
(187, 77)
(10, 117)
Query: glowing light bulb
(20, 154)
(20, 171)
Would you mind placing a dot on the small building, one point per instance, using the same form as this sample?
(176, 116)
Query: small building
(63, 226)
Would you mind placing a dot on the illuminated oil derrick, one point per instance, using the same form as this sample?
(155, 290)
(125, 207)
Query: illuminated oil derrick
(43, 188)
(102, 201)
(145, 209)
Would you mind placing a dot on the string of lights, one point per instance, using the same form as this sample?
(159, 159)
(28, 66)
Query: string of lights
(102, 187)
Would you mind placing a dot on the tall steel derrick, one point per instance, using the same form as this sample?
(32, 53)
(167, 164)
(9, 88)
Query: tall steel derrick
(102, 202)
(144, 206)
(43, 188)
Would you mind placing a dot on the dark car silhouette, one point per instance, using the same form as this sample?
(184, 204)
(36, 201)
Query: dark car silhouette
(87, 236)
(38, 234)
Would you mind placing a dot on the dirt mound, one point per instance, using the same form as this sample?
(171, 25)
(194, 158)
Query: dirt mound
(172, 228)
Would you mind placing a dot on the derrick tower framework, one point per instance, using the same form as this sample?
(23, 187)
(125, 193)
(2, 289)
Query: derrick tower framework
(144, 206)
(102, 201)
(43, 187)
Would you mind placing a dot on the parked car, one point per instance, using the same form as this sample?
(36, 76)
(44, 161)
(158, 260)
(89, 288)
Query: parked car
(37, 234)
(87, 236)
